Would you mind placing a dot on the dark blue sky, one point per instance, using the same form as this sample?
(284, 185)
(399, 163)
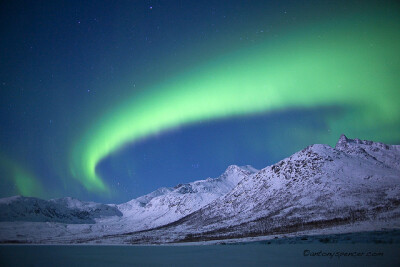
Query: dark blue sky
(64, 64)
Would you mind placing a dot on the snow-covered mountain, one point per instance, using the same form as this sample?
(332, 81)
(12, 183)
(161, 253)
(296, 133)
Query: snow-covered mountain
(373, 151)
(354, 186)
(167, 205)
(317, 187)
(64, 210)
(160, 207)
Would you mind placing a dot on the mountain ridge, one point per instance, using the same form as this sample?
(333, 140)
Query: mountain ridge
(355, 183)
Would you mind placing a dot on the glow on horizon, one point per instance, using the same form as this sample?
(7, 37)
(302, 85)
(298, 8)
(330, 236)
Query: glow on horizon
(25, 182)
(349, 66)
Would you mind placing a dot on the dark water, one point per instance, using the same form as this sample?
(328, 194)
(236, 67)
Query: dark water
(210, 255)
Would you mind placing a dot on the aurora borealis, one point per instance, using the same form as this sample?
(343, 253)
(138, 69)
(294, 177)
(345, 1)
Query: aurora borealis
(301, 79)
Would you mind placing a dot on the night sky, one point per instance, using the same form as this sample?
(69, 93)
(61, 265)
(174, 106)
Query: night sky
(110, 100)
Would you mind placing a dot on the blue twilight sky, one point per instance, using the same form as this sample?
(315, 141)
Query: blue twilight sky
(65, 64)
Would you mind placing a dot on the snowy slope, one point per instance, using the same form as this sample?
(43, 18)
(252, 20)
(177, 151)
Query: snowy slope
(166, 205)
(157, 208)
(375, 152)
(65, 210)
(319, 186)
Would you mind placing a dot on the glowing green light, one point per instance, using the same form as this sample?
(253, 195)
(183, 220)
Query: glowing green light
(352, 66)
(25, 182)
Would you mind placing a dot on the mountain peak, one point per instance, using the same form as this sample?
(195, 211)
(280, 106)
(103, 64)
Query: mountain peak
(235, 169)
(343, 140)
(159, 192)
(233, 174)
(249, 169)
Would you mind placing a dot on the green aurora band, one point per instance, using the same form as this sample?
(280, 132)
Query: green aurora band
(346, 64)
(25, 182)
